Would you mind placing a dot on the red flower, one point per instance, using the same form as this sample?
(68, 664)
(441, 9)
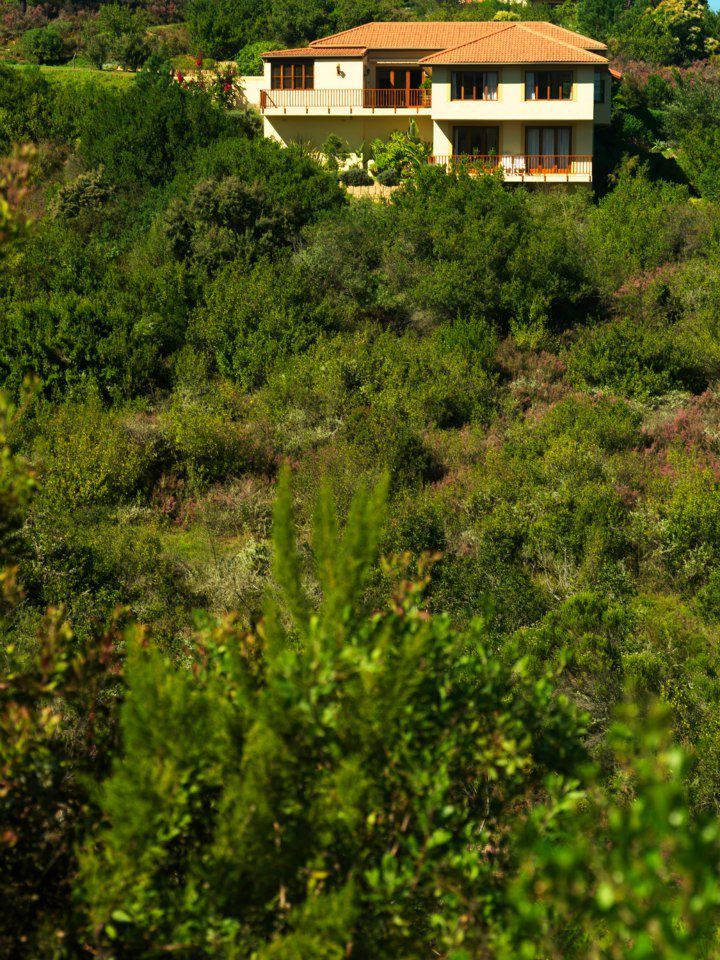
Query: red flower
(180, 77)
(199, 60)
(228, 86)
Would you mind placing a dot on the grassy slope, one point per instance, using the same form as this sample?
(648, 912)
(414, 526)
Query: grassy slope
(69, 74)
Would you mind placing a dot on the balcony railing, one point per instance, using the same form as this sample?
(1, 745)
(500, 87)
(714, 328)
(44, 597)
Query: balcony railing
(519, 164)
(350, 99)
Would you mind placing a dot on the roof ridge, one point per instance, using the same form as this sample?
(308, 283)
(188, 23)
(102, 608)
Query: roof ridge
(532, 24)
(502, 27)
(549, 39)
(342, 33)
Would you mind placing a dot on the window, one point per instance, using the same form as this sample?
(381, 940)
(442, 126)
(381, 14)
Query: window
(292, 75)
(548, 85)
(599, 86)
(548, 148)
(474, 85)
(476, 141)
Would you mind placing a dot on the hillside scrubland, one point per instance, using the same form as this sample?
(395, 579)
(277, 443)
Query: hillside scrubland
(362, 559)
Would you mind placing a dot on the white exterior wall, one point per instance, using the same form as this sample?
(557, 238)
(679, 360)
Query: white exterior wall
(511, 103)
(339, 74)
(251, 87)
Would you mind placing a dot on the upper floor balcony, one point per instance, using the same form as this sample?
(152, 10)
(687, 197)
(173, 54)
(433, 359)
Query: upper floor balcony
(365, 100)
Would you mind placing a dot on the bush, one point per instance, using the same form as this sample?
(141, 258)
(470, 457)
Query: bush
(88, 456)
(636, 360)
(637, 227)
(251, 322)
(356, 177)
(309, 737)
(43, 45)
(388, 177)
(403, 152)
(148, 131)
(88, 192)
(225, 220)
(248, 60)
(208, 442)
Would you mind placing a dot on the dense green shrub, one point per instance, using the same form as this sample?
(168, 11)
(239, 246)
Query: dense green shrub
(249, 60)
(149, 131)
(388, 177)
(88, 456)
(66, 339)
(43, 45)
(253, 321)
(356, 177)
(637, 227)
(636, 360)
(88, 192)
(691, 120)
(296, 183)
(26, 106)
(225, 220)
(208, 440)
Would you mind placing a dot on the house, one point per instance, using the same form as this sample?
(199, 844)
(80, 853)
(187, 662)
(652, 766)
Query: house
(524, 96)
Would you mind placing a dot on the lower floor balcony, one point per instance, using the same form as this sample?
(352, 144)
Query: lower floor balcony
(523, 167)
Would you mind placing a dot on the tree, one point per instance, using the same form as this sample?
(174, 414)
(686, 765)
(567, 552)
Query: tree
(692, 120)
(669, 32)
(222, 27)
(596, 18)
(295, 22)
(42, 45)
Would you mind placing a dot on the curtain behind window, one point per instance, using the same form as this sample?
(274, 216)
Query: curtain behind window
(530, 85)
(533, 141)
(563, 141)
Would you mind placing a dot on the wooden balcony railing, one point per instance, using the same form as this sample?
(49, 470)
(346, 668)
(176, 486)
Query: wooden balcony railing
(349, 99)
(519, 164)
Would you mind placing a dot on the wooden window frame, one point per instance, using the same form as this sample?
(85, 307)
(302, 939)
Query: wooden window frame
(548, 84)
(456, 82)
(284, 76)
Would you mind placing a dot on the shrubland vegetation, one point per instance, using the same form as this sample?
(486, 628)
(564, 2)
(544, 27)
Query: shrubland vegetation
(360, 588)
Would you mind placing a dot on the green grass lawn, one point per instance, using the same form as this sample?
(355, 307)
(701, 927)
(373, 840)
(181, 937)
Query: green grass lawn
(70, 74)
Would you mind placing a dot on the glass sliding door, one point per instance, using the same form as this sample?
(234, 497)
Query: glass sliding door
(476, 141)
(548, 149)
(397, 87)
(563, 148)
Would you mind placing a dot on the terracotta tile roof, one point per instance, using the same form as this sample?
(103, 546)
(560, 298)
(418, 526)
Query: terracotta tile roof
(408, 36)
(555, 32)
(441, 35)
(315, 52)
(515, 43)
